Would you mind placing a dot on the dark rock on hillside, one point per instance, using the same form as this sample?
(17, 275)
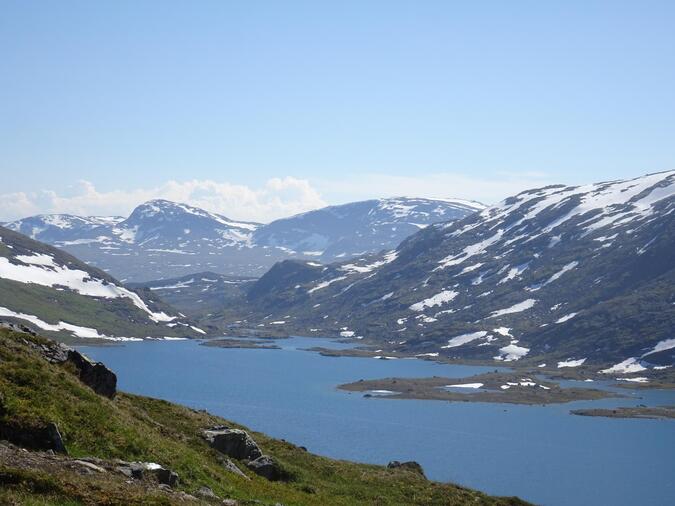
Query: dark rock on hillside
(234, 443)
(410, 465)
(46, 437)
(93, 374)
(267, 467)
(142, 470)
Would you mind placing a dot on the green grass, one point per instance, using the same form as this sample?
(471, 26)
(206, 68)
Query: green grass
(131, 427)
(115, 317)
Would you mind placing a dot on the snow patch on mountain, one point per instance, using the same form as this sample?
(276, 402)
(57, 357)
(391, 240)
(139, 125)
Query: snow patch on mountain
(435, 300)
(464, 339)
(516, 308)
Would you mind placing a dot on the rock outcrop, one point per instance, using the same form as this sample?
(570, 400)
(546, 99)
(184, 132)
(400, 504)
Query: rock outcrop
(45, 437)
(93, 374)
(234, 443)
(410, 465)
(141, 470)
(266, 467)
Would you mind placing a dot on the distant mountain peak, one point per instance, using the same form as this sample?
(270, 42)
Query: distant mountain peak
(167, 239)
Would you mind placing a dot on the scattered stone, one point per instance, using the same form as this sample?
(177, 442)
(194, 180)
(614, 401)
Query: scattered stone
(90, 466)
(266, 467)
(139, 470)
(232, 467)
(206, 493)
(234, 443)
(230, 502)
(410, 465)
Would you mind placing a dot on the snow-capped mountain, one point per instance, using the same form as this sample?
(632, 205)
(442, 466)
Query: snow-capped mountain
(55, 292)
(359, 228)
(571, 274)
(62, 228)
(163, 239)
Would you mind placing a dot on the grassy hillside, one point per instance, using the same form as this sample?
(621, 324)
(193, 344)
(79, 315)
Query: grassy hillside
(35, 392)
(45, 283)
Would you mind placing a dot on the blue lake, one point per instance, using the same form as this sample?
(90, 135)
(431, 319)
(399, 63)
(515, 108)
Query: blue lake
(542, 454)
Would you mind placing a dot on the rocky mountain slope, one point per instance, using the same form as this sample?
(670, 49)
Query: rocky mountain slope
(359, 228)
(162, 239)
(201, 294)
(55, 292)
(63, 443)
(569, 275)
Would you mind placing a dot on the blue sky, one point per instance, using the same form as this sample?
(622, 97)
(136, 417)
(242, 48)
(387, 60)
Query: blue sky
(261, 109)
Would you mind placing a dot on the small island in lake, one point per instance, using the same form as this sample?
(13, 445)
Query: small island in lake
(642, 411)
(499, 387)
(241, 343)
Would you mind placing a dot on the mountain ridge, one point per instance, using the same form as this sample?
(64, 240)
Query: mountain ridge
(167, 239)
(510, 282)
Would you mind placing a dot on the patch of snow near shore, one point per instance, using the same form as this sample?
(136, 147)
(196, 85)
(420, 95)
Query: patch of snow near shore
(436, 300)
(465, 385)
(464, 338)
(641, 379)
(347, 333)
(511, 353)
(628, 366)
(571, 363)
(76, 330)
(516, 308)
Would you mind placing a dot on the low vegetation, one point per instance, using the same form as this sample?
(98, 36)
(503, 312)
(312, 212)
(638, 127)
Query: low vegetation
(133, 428)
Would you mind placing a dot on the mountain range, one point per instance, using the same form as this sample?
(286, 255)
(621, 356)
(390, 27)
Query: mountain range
(568, 275)
(163, 239)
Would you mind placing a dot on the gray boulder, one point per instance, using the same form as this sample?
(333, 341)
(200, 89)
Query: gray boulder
(410, 466)
(234, 443)
(206, 493)
(141, 470)
(266, 467)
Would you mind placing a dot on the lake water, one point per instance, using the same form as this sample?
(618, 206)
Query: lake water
(542, 454)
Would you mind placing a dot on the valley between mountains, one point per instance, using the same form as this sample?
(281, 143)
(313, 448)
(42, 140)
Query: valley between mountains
(565, 293)
(563, 279)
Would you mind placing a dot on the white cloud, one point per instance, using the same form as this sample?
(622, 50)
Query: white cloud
(278, 197)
